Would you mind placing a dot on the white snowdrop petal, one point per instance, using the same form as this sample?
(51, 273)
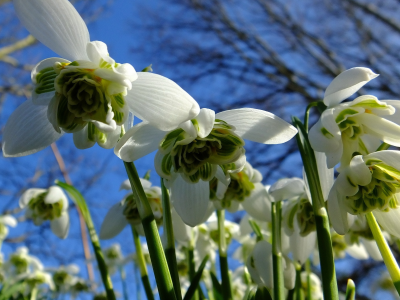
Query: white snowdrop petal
(302, 247)
(372, 249)
(190, 200)
(286, 188)
(8, 220)
(160, 101)
(258, 204)
(54, 194)
(389, 220)
(28, 195)
(205, 122)
(60, 226)
(56, 24)
(338, 216)
(138, 141)
(28, 131)
(258, 125)
(346, 84)
(114, 222)
(357, 251)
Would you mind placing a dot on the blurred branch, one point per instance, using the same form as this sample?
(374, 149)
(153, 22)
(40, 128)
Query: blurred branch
(25, 42)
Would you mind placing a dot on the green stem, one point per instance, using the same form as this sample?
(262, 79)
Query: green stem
(384, 248)
(157, 255)
(307, 114)
(308, 270)
(123, 280)
(223, 258)
(137, 283)
(299, 294)
(142, 265)
(170, 252)
(328, 272)
(34, 293)
(192, 269)
(276, 214)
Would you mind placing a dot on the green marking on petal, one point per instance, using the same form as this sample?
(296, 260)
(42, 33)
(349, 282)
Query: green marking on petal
(45, 80)
(326, 133)
(371, 103)
(344, 114)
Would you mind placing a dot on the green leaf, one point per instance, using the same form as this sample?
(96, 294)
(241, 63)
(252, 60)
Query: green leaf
(196, 280)
(78, 199)
(7, 292)
(217, 288)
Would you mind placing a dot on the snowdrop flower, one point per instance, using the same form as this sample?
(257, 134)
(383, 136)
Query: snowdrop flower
(126, 211)
(86, 92)
(6, 220)
(64, 277)
(51, 204)
(316, 288)
(35, 279)
(200, 149)
(298, 216)
(368, 183)
(244, 189)
(355, 126)
(259, 264)
(21, 262)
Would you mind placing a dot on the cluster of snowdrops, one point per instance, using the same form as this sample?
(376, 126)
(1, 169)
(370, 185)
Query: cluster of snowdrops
(201, 160)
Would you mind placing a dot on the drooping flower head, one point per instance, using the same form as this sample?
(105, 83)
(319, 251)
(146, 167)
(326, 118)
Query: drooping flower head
(126, 211)
(210, 145)
(244, 188)
(370, 182)
(47, 205)
(6, 220)
(86, 92)
(357, 126)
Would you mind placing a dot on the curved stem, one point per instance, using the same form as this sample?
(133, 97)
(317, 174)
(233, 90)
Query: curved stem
(388, 258)
(307, 114)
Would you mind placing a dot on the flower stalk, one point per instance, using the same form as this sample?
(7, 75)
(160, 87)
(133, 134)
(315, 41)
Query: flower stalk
(384, 248)
(157, 255)
(170, 246)
(328, 272)
(142, 265)
(276, 215)
(223, 256)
